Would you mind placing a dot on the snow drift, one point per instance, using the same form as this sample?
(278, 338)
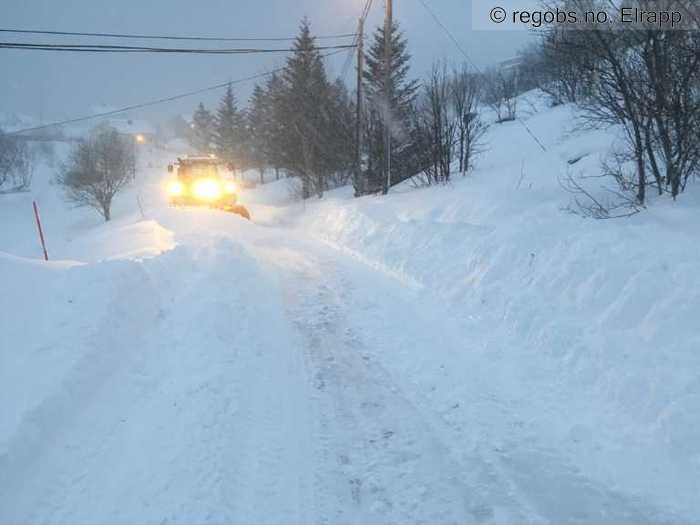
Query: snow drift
(587, 325)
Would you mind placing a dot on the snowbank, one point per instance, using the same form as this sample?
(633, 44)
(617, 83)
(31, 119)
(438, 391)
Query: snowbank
(586, 326)
(52, 312)
(271, 203)
(49, 315)
(80, 234)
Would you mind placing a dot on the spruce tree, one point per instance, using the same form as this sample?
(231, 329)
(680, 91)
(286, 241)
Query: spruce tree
(230, 131)
(340, 134)
(258, 117)
(403, 91)
(304, 109)
(202, 129)
(393, 109)
(275, 128)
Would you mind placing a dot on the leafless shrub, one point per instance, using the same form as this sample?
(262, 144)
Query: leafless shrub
(446, 127)
(645, 80)
(501, 93)
(16, 166)
(602, 202)
(437, 125)
(466, 90)
(420, 180)
(97, 169)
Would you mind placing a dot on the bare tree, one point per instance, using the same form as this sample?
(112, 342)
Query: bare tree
(672, 104)
(437, 124)
(16, 167)
(645, 80)
(501, 92)
(548, 65)
(97, 169)
(446, 128)
(465, 93)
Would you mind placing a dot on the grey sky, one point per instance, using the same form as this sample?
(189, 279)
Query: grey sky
(60, 85)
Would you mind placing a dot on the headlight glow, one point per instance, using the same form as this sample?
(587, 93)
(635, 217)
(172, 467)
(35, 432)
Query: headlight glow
(231, 187)
(176, 188)
(206, 189)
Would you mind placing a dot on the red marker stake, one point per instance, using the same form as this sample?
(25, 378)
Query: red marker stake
(41, 232)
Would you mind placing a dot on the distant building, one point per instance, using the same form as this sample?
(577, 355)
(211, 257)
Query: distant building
(141, 131)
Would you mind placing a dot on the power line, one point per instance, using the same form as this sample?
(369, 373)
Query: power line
(99, 48)
(348, 60)
(167, 37)
(355, 41)
(464, 53)
(157, 101)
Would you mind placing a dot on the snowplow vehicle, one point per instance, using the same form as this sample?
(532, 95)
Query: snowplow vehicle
(201, 181)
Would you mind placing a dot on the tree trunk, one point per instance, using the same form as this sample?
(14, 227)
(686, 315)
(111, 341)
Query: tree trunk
(641, 166)
(652, 160)
(462, 169)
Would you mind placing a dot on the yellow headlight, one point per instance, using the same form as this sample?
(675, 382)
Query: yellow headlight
(231, 187)
(206, 189)
(176, 188)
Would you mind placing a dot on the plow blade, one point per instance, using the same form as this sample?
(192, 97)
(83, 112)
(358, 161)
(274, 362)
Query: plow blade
(237, 209)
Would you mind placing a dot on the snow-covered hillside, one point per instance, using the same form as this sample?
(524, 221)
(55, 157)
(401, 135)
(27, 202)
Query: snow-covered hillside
(470, 353)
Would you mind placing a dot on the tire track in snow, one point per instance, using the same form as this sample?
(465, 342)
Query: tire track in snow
(382, 460)
(524, 481)
(393, 458)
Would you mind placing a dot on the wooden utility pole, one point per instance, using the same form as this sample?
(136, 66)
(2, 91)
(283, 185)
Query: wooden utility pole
(358, 110)
(387, 92)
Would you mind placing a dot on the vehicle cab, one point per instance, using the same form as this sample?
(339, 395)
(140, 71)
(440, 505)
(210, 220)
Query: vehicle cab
(201, 181)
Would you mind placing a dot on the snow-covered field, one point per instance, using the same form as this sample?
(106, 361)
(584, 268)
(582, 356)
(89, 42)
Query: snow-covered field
(460, 354)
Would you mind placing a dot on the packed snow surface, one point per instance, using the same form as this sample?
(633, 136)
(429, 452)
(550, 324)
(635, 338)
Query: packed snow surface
(471, 353)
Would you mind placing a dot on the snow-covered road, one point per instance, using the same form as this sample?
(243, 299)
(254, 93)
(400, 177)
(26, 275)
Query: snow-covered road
(249, 376)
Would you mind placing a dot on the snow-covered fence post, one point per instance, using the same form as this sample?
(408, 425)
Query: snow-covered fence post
(41, 232)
